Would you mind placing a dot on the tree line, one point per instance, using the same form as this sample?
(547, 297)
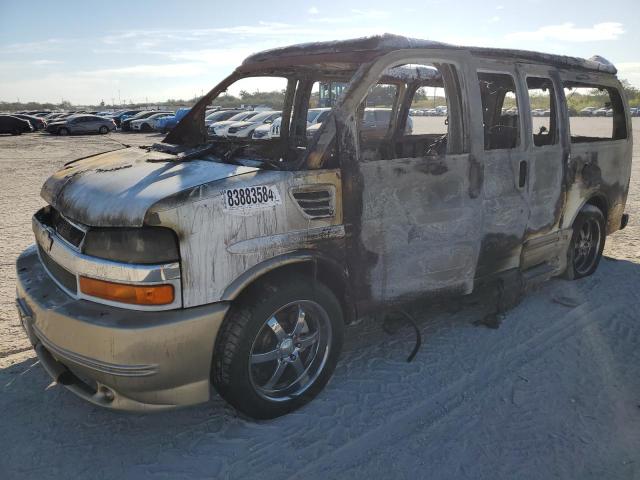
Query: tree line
(381, 95)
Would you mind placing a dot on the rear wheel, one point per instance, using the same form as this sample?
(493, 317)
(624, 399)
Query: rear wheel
(63, 131)
(587, 243)
(278, 347)
(17, 131)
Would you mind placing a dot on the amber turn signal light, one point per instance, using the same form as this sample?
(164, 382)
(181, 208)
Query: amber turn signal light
(124, 293)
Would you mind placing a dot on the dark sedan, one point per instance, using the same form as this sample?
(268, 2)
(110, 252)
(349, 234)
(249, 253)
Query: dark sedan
(36, 122)
(82, 124)
(117, 117)
(14, 125)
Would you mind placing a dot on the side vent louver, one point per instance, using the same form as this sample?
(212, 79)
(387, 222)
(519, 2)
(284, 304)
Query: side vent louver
(315, 203)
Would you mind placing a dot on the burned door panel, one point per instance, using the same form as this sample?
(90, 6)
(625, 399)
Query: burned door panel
(420, 224)
(505, 163)
(548, 151)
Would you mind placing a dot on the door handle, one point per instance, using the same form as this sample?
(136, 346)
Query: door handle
(522, 175)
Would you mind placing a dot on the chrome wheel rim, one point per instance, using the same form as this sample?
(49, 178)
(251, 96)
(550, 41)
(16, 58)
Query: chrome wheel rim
(586, 246)
(290, 351)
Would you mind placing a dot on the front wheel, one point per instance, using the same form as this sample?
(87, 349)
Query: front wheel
(278, 347)
(103, 130)
(587, 243)
(63, 131)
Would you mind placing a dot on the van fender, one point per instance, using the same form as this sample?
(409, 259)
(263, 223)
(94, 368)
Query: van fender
(237, 286)
(593, 197)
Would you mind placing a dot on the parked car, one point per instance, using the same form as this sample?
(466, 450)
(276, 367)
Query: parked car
(601, 112)
(317, 115)
(219, 129)
(14, 125)
(162, 271)
(36, 122)
(117, 117)
(378, 120)
(165, 124)
(245, 128)
(263, 132)
(81, 124)
(125, 123)
(587, 111)
(148, 124)
(274, 131)
(220, 116)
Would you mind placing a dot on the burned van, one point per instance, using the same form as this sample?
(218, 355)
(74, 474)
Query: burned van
(159, 272)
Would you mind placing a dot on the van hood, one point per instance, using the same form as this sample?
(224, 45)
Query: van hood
(116, 189)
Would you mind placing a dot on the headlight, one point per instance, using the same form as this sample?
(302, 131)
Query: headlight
(146, 245)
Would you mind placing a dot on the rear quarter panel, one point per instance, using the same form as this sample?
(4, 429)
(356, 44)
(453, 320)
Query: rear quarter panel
(601, 168)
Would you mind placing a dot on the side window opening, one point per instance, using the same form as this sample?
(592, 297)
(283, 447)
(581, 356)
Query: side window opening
(500, 112)
(544, 119)
(375, 118)
(409, 113)
(596, 112)
(324, 95)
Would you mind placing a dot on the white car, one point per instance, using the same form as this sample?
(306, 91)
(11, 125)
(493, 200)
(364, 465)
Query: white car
(441, 110)
(219, 129)
(263, 132)
(220, 116)
(148, 124)
(374, 119)
(315, 117)
(245, 128)
(274, 131)
(587, 111)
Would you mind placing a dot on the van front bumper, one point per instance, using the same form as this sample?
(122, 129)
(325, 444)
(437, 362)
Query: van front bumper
(114, 357)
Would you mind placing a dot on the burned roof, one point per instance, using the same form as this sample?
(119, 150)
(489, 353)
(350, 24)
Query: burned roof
(375, 46)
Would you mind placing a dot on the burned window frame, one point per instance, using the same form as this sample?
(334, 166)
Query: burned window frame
(457, 104)
(620, 124)
(515, 78)
(555, 106)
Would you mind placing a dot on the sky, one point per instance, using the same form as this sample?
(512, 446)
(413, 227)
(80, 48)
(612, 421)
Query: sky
(147, 51)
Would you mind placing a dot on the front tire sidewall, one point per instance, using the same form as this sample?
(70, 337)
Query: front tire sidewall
(232, 380)
(588, 212)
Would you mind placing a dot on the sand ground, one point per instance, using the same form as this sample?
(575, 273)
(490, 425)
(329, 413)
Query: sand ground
(553, 393)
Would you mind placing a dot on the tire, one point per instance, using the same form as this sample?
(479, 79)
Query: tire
(145, 127)
(103, 130)
(587, 243)
(63, 131)
(16, 132)
(266, 369)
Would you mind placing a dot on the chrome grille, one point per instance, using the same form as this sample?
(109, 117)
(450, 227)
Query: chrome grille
(63, 276)
(66, 229)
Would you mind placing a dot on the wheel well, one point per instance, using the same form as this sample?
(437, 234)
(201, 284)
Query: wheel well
(601, 203)
(327, 273)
